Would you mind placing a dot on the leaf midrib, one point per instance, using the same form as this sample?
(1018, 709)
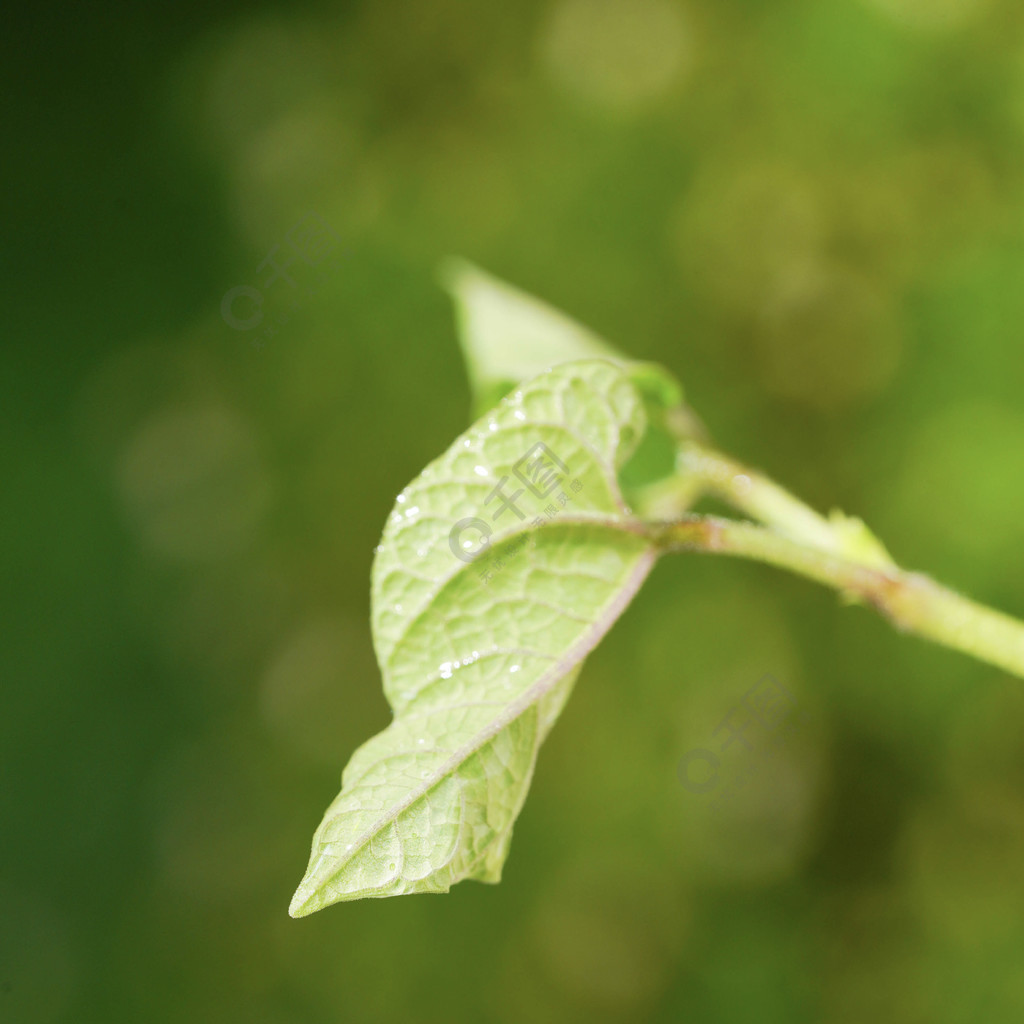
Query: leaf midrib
(604, 465)
(601, 520)
(519, 706)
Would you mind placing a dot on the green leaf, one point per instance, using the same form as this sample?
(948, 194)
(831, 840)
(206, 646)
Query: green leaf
(477, 667)
(508, 336)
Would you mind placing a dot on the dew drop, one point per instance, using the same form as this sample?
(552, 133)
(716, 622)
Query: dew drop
(481, 471)
(519, 414)
(401, 498)
(515, 668)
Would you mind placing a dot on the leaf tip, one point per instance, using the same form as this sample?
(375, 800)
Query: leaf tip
(452, 271)
(313, 892)
(304, 902)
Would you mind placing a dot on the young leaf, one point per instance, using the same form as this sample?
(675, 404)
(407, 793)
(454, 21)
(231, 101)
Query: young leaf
(480, 640)
(508, 336)
(501, 567)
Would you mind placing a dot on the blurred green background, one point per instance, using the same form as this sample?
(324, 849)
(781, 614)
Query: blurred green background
(811, 212)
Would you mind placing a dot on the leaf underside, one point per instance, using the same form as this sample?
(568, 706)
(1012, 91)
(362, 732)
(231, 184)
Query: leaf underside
(478, 657)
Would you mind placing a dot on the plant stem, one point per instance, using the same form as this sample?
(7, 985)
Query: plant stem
(912, 602)
(702, 471)
(838, 551)
(753, 494)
